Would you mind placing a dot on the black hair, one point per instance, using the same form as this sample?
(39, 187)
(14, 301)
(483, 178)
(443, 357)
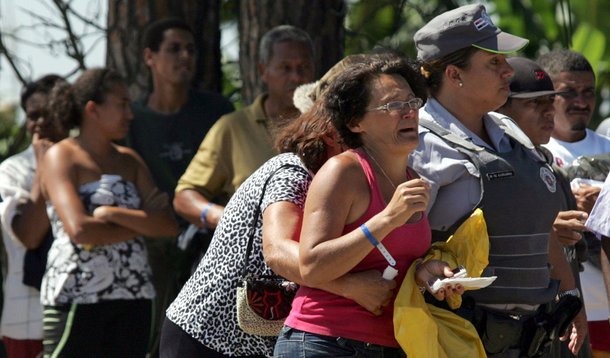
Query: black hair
(563, 60)
(154, 33)
(347, 98)
(42, 85)
(92, 85)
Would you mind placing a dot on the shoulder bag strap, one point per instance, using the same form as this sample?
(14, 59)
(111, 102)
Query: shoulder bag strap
(257, 212)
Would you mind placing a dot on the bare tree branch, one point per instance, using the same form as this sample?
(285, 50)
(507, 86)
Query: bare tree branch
(86, 20)
(98, 40)
(43, 20)
(11, 61)
(73, 43)
(24, 41)
(55, 33)
(72, 72)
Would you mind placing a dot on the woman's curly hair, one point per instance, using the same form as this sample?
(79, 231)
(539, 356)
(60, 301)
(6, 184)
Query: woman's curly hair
(67, 102)
(348, 97)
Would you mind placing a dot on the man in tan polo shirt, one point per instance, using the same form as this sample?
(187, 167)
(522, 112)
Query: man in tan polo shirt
(241, 141)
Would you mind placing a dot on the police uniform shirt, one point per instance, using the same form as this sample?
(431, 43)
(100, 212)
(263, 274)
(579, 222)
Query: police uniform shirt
(448, 170)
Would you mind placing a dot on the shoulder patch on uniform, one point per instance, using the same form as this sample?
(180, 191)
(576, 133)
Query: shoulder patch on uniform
(549, 179)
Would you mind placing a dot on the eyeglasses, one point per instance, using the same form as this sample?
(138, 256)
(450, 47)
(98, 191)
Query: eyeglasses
(412, 104)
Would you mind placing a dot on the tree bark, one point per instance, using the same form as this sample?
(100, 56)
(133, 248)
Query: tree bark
(126, 23)
(321, 19)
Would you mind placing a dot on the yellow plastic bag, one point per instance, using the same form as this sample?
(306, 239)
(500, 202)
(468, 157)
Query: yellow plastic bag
(468, 246)
(426, 331)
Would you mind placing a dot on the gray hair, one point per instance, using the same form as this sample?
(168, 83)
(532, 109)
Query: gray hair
(280, 34)
(563, 60)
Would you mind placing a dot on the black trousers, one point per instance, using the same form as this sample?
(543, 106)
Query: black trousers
(175, 343)
(116, 328)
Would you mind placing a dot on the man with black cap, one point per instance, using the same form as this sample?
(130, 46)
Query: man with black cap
(530, 106)
(530, 102)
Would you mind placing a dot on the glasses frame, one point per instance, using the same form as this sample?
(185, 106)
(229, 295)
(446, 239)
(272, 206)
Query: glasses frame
(413, 105)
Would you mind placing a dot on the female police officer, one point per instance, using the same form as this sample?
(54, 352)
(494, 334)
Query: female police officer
(473, 159)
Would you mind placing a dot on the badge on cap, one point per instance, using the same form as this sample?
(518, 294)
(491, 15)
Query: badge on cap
(483, 21)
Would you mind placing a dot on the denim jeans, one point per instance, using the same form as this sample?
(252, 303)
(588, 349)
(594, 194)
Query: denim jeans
(293, 343)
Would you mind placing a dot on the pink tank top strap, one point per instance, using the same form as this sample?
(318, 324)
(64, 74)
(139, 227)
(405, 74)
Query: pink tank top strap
(376, 197)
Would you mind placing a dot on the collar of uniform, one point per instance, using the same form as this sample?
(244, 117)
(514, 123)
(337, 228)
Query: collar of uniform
(443, 117)
(258, 109)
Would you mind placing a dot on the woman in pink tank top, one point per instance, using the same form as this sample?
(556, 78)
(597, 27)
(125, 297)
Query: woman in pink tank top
(364, 211)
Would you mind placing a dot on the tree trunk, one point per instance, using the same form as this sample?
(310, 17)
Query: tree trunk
(126, 23)
(322, 19)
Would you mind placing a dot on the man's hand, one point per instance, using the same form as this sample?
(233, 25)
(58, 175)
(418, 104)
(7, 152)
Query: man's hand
(569, 225)
(578, 333)
(586, 195)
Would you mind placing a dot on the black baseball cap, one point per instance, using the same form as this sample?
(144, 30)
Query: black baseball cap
(529, 80)
(468, 25)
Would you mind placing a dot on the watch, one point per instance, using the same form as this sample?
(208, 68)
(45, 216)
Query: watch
(572, 292)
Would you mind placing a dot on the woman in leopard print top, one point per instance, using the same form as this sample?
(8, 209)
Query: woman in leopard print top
(202, 320)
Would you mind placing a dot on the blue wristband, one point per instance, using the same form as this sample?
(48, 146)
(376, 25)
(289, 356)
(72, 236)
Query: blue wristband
(204, 212)
(384, 252)
(369, 236)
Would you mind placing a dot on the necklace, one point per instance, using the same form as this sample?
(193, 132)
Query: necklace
(380, 167)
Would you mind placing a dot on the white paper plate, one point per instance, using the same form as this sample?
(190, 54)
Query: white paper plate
(467, 282)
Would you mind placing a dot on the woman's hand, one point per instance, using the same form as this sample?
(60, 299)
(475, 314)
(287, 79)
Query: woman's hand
(40, 145)
(432, 269)
(370, 290)
(410, 197)
(102, 212)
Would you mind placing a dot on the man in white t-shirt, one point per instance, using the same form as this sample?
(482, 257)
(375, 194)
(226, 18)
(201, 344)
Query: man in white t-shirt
(574, 79)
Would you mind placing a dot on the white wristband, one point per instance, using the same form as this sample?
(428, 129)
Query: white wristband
(389, 273)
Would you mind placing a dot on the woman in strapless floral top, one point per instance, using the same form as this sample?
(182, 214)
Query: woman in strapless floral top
(101, 198)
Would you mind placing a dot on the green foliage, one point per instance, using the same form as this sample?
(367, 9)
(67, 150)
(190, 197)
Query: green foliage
(590, 38)
(536, 22)
(229, 10)
(548, 24)
(12, 138)
(389, 23)
(591, 42)
(231, 82)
